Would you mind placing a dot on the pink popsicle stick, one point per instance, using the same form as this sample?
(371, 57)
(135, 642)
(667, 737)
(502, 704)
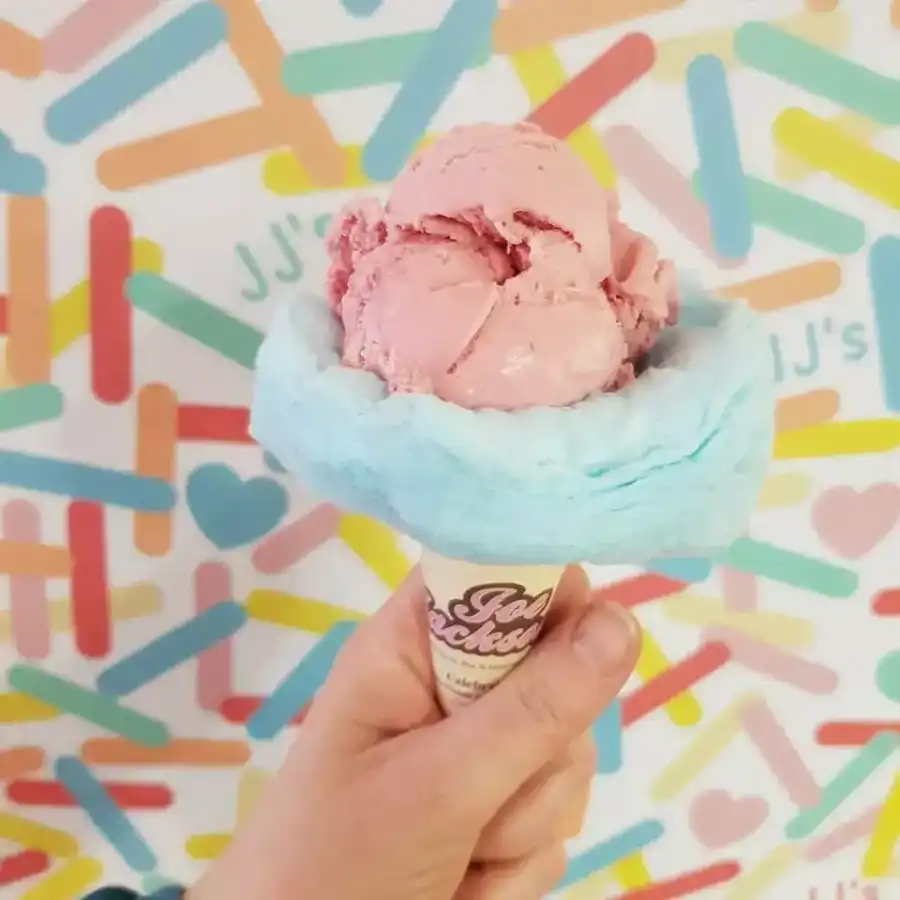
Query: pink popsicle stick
(842, 837)
(90, 29)
(778, 751)
(739, 589)
(287, 546)
(212, 585)
(29, 612)
(775, 662)
(661, 184)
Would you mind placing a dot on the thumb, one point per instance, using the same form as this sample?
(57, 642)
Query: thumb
(503, 738)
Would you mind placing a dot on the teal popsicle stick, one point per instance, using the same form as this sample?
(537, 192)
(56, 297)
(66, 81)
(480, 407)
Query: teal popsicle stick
(799, 217)
(768, 49)
(795, 569)
(357, 64)
(874, 754)
(85, 704)
(183, 311)
(29, 405)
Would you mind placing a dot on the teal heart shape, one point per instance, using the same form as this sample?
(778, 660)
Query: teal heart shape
(230, 511)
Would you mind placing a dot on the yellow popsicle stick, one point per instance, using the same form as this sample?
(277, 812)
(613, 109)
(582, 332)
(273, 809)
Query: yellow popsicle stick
(70, 314)
(36, 835)
(303, 613)
(838, 439)
(791, 169)
(756, 882)
(542, 74)
(68, 882)
(827, 148)
(713, 736)
(778, 629)
(683, 709)
(786, 489)
(376, 545)
(206, 846)
(878, 859)
(631, 872)
(17, 708)
(250, 787)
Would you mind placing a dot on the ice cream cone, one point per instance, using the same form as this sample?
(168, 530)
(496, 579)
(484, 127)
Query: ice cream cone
(483, 620)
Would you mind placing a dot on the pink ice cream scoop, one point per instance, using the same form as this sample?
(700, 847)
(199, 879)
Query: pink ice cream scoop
(497, 275)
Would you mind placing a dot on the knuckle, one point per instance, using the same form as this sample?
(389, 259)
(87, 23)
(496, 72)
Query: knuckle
(544, 711)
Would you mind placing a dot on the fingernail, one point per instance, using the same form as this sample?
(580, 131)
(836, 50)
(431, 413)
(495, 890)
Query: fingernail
(608, 633)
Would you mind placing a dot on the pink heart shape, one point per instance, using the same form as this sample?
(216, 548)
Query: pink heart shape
(718, 819)
(852, 523)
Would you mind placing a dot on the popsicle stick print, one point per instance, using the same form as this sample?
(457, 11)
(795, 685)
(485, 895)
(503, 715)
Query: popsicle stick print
(841, 837)
(785, 489)
(126, 795)
(89, 29)
(855, 733)
(849, 438)
(86, 530)
(776, 663)
(29, 614)
(867, 760)
(28, 299)
(674, 55)
(302, 613)
(803, 410)
(739, 589)
(787, 287)
(754, 882)
(214, 424)
(885, 834)
(212, 586)
(239, 709)
(681, 707)
(777, 629)
(582, 96)
(36, 835)
(203, 752)
(18, 762)
(607, 733)
(887, 603)
(155, 457)
(22, 865)
(286, 546)
(686, 884)
(302, 128)
(541, 73)
(673, 681)
(29, 405)
(105, 712)
(68, 881)
(707, 741)
(776, 748)
(376, 545)
(109, 267)
(20, 52)
(203, 847)
(130, 602)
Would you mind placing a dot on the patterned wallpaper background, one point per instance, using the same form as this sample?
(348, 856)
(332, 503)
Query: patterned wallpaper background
(169, 600)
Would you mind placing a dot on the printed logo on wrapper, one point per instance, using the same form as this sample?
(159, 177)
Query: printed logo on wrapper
(481, 636)
(490, 619)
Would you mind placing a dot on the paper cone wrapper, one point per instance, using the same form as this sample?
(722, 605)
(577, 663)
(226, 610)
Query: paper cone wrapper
(483, 621)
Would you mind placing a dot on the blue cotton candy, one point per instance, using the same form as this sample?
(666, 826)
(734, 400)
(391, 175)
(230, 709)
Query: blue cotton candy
(669, 466)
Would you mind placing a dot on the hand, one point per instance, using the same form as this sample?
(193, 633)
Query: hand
(382, 798)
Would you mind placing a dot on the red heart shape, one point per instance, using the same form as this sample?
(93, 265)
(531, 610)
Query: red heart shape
(718, 819)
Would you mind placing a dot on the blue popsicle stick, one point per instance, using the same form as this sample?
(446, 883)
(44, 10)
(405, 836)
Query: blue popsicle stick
(884, 279)
(79, 481)
(610, 851)
(607, 732)
(172, 649)
(444, 57)
(300, 685)
(721, 173)
(106, 815)
(137, 72)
